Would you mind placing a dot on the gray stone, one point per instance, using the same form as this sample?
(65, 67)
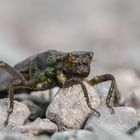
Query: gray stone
(73, 135)
(44, 96)
(105, 131)
(39, 126)
(17, 136)
(127, 80)
(133, 99)
(123, 119)
(102, 90)
(35, 110)
(137, 134)
(69, 107)
(18, 117)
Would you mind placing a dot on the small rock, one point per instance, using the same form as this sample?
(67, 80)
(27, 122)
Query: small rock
(22, 96)
(102, 90)
(69, 107)
(123, 119)
(39, 126)
(73, 135)
(36, 105)
(43, 96)
(105, 131)
(35, 110)
(137, 134)
(133, 99)
(17, 136)
(18, 117)
(127, 80)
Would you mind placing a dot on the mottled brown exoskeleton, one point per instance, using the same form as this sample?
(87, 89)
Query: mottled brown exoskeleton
(50, 69)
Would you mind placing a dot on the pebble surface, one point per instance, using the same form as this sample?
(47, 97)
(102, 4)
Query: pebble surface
(69, 113)
(69, 107)
(18, 117)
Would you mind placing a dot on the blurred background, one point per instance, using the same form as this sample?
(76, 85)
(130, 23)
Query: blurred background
(109, 28)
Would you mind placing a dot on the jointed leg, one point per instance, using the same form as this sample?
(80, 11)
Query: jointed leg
(14, 85)
(110, 92)
(113, 88)
(76, 81)
(18, 78)
(18, 82)
(87, 98)
(11, 99)
(13, 72)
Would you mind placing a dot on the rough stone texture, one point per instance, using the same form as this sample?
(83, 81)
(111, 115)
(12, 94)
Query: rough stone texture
(69, 107)
(123, 119)
(73, 135)
(19, 115)
(39, 126)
